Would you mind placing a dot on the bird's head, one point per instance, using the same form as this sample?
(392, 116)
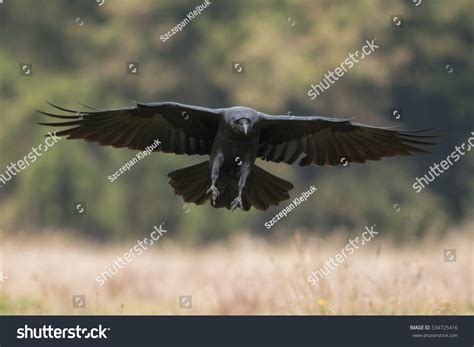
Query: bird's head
(243, 121)
(244, 125)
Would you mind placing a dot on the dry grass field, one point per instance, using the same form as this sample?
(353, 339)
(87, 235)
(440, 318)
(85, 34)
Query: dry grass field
(247, 275)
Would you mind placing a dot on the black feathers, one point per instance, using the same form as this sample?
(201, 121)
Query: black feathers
(181, 129)
(231, 135)
(330, 142)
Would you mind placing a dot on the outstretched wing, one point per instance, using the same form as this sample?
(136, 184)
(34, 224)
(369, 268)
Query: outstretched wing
(181, 129)
(332, 141)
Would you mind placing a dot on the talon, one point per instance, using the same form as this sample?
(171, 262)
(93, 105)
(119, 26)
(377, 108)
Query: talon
(237, 202)
(215, 193)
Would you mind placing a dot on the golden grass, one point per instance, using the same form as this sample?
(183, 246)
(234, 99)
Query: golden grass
(244, 276)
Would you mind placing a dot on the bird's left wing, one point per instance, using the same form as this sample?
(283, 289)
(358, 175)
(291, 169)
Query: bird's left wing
(181, 129)
(332, 141)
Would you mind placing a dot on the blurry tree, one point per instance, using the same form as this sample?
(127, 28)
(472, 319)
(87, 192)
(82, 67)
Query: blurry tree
(286, 45)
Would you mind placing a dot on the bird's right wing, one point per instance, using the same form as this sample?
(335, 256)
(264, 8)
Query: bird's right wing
(181, 129)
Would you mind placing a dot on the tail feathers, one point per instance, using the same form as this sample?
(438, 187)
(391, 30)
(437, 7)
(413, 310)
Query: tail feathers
(261, 191)
(191, 182)
(264, 189)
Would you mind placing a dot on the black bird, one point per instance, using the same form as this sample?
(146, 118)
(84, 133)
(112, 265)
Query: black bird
(234, 137)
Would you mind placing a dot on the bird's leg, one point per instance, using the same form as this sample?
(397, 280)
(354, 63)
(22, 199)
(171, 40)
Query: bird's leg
(244, 173)
(216, 165)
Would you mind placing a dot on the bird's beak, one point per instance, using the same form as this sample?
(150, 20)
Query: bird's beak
(245, 124)
(246, 127)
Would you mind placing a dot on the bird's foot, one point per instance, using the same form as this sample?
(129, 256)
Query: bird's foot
(215, 193)
(236, 203)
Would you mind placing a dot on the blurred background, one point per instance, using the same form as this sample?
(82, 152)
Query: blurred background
(79, 52)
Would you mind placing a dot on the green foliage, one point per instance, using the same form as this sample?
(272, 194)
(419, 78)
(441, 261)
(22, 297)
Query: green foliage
(87, 63)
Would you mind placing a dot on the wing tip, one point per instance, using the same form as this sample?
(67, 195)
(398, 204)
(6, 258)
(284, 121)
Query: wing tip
(59, 107)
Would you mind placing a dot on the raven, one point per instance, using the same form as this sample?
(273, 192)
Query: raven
(233, 138)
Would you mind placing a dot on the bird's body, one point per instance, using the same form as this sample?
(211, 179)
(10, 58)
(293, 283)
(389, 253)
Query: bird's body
(235, 149)
(231, 141)
(234, 138)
